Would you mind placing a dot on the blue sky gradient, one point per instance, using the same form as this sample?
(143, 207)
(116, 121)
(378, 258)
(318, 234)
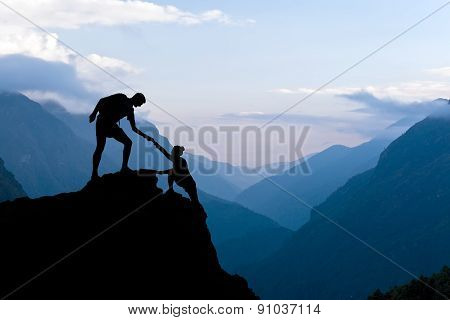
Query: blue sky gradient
(201, 72)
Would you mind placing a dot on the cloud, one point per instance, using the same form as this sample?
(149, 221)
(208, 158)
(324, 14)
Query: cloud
(401, 115)
(18, 37)
(118, 67)
(33, 43)
(443, 72)
(419, 91)
(292, 118)
(388, 108)
(330, 91)
(29, 41)
(98, 81)
(77, 13)
(43, 80)
(375, 117)
(44, 51)
(72, 104)
(22, 73)
(365, 127)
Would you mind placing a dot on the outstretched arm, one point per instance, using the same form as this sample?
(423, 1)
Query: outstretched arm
(160, 148)
(168, 171)
(93, 115)
(139, 132)
(135, 129)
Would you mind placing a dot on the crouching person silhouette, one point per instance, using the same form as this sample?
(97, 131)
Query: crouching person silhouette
(111, 109)
(180, 172)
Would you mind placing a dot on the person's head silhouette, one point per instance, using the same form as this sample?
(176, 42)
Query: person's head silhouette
(138, 99)
(177, 152)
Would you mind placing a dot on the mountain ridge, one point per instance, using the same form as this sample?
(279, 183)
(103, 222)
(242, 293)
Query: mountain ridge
(398, 207)
(240, 235)
(10, 189)
(330, 169)
(156, 246)
(44, 154)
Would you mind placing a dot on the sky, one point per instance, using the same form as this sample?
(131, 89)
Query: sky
(210, 64)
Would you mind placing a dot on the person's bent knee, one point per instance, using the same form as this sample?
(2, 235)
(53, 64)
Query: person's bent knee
(99, 150)
(128, 143)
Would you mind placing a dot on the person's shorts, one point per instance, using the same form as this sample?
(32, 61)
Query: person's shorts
(107, 129)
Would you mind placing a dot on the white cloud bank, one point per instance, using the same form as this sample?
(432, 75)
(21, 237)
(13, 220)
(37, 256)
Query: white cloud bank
(332, 91)
(405, 91)
(15, 40)
(442, 72)
(77, 13)
(408, 91)
(19, 37)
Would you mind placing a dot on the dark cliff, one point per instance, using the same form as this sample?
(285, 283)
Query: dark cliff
(117, 238)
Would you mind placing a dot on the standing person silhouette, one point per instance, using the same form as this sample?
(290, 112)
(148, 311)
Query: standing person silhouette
(180, 172)
(111, 109)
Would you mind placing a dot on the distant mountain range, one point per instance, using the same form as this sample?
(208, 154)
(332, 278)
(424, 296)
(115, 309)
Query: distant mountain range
(144, 155)
(326, 171)
(329, 170)
(233, 179)
(241, 236)
(44, 155)
(9, 188)
(400, 208)
(394, 196)
(49, 150)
